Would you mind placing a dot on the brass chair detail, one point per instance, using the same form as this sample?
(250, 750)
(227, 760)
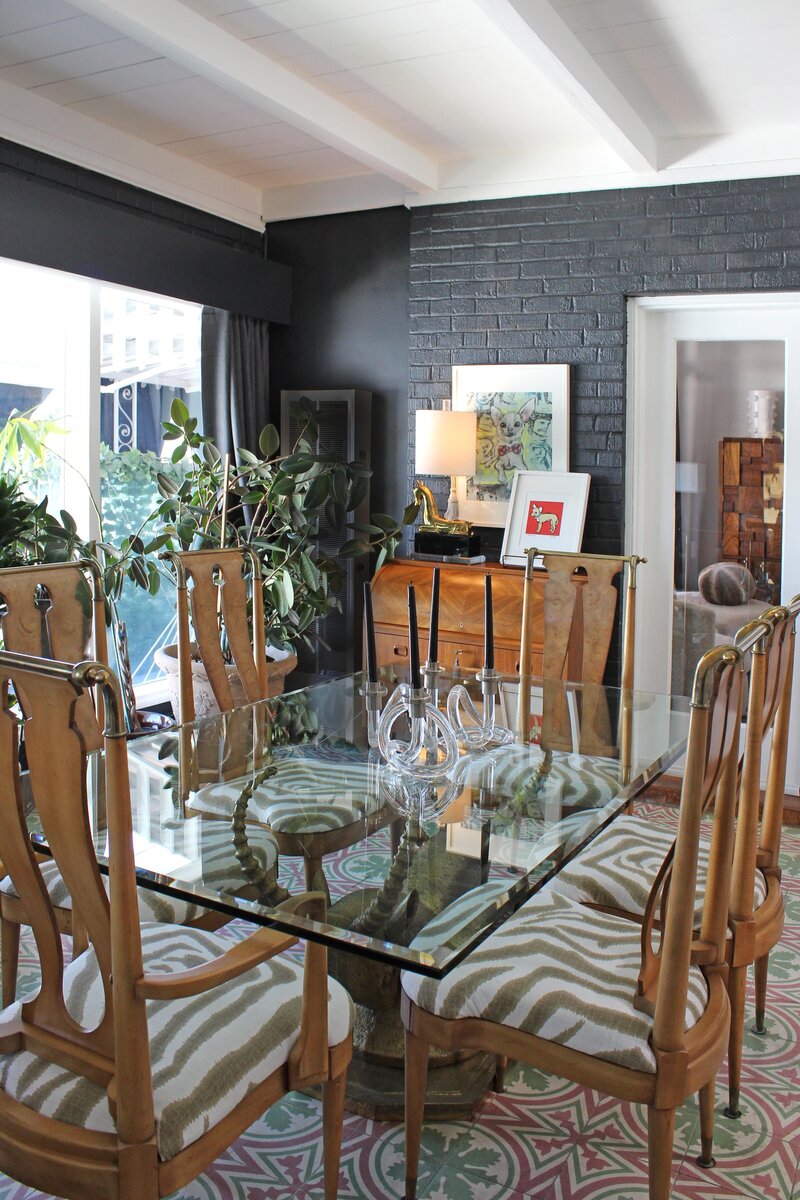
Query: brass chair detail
(590, 996)
(133, 1068)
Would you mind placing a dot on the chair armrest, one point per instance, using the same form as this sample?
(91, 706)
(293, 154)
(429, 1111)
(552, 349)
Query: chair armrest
(309, 1057)
(260, 946)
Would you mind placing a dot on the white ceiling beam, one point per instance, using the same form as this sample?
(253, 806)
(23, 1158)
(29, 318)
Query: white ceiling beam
(543, 36)
(183, 36)
(54, 129)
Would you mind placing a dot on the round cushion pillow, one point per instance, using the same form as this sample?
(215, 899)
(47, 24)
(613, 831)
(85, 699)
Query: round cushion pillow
(726, 583)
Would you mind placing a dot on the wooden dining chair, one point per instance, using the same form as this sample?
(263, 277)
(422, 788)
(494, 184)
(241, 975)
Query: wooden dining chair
(57, 611)
(212, 586)
(615, 872)
(593, 997)
(135, 1066)
(580, 610)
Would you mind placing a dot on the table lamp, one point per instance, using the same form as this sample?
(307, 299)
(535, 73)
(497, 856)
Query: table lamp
(446, 444)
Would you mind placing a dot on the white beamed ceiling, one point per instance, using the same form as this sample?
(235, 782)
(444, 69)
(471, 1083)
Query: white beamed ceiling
(260, 111)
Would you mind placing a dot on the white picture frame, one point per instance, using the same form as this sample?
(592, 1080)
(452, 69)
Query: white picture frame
(547, 510)
(523, 424)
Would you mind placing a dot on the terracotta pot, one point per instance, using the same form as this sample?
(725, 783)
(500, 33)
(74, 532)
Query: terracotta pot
(279, 664)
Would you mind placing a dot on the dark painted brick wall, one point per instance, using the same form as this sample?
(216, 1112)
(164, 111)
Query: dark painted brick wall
(545, 279)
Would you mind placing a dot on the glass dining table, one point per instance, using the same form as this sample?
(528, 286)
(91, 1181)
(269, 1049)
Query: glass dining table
(281, 814)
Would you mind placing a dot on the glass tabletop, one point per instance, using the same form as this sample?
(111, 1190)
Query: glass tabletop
(248, 811)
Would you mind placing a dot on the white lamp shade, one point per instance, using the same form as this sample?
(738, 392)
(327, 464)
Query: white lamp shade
(446, 442)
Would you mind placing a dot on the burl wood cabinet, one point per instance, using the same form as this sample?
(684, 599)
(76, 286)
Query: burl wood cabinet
(461, 591)
(750, 508)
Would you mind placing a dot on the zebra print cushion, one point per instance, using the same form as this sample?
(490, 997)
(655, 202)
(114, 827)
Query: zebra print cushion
(217, 865)
(153, 906)
(207, 1052)
(576, 779)
(617, 869)
(444, 929)
(304, 796)
(562, 972)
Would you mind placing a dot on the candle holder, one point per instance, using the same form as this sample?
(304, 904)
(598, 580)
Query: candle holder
(431, 671)
(373, 692)
(483, 731)
(431, 735)
(423, 799)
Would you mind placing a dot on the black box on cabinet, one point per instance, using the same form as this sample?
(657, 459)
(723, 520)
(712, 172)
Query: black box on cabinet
(344, 422)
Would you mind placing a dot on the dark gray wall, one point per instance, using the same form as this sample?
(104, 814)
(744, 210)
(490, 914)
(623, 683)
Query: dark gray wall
(58, 215)
(545, 279)
(349, 326)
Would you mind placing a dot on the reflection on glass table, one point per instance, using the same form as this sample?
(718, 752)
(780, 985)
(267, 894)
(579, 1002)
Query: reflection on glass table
(281, 814)
(228, 810)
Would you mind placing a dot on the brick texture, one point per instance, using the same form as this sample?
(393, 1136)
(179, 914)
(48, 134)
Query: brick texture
(545, 279)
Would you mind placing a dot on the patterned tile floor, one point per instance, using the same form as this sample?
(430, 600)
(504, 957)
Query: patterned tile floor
(543, 1138)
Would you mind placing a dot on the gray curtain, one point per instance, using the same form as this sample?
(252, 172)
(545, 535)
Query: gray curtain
(235, 374)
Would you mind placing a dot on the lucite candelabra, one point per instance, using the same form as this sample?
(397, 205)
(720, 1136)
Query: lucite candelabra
(482, 729)
(373, 692)
(432, 749)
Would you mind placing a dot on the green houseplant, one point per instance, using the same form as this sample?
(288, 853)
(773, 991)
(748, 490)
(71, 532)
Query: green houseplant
(276, 504)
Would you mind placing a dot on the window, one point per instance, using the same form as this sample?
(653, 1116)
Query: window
(72, 353)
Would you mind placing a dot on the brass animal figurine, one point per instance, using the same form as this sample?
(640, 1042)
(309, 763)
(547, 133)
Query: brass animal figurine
(432, 519)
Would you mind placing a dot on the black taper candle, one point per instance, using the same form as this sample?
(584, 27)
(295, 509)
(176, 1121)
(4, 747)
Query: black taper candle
(488, 627)
(372, 658)
(433, 632)
(413, 638)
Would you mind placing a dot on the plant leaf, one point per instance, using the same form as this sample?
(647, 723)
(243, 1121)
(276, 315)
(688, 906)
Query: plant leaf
(269, 441)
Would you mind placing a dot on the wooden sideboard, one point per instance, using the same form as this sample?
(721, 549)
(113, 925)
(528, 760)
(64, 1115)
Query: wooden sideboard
(461, 591)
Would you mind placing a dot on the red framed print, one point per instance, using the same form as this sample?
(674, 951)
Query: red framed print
(547, 510)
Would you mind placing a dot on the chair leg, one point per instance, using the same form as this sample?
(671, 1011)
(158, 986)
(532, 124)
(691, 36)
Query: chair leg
(706, 1156)
(761, 970)
(499, 1081)
(80, 937)
(737, 980)
(660, 1136)
(315, 876)
(416, 1078)
(333, 1094)
(9, 935)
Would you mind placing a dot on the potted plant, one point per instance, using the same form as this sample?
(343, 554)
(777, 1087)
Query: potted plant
(273, 503)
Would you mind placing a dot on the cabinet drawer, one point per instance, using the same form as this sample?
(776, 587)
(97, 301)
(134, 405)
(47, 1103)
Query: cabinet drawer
(507, 661)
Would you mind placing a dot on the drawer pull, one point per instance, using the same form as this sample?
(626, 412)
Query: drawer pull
(400, 651)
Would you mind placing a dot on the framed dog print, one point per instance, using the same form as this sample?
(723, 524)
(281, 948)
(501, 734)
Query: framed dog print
(523, 425)
(547, 510)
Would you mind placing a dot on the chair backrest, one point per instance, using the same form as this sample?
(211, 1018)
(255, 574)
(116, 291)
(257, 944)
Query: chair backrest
(768, 709)
(57, 610)
(48, 693)
(218, 598)
(710, 772)
(580, 607)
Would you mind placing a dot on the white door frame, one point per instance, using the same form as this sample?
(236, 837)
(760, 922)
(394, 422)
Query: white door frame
(650, 460)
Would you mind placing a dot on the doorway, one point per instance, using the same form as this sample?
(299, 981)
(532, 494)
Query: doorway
(712, 432)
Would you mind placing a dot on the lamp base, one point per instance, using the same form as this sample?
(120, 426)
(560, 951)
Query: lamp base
(433, 541)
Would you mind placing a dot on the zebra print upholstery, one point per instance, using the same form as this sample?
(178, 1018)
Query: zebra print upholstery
(220, 872)
(152, 905)
(560, 971)
(617, 869)
(305, 795)
(207, 1052)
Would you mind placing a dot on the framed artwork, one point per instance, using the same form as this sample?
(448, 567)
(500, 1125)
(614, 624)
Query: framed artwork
(546, 510)
(523, 425)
